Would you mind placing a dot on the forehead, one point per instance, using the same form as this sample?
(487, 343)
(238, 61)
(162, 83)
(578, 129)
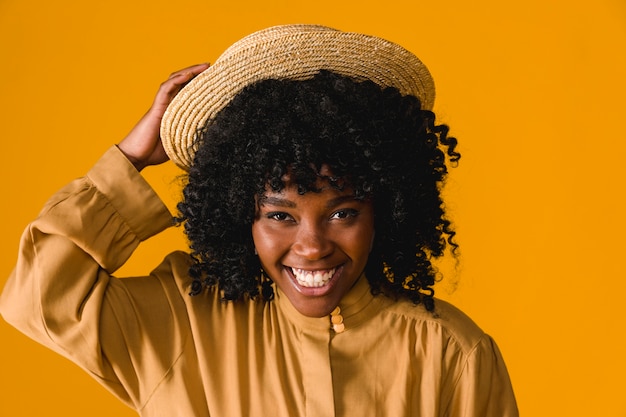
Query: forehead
(323, 185)
(306, 179)
(327, 199)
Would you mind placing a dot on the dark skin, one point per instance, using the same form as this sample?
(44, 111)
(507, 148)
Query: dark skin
(328, 232)
(315, 245)
(142, 146)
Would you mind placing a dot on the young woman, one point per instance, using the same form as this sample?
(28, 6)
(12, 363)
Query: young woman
(313, 212)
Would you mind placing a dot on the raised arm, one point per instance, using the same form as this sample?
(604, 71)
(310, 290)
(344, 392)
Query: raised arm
(143, 145)
(61, 292)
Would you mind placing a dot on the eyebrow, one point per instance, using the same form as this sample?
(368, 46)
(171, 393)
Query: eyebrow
(276, 201)
(340, 200)
(283, 202)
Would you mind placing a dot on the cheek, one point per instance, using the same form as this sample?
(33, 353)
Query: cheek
(258, 237)
(366, 242)
(360, 242)
(267, 242)
(368, 235)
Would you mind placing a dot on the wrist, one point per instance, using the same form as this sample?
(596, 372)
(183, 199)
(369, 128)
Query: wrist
(137, 163)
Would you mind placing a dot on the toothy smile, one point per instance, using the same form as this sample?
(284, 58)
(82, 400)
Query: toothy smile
(317, 278)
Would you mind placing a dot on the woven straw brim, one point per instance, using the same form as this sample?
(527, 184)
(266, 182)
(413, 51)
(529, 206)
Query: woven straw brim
(294, 52)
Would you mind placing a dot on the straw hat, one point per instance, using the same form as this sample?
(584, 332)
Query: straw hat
(294, 52)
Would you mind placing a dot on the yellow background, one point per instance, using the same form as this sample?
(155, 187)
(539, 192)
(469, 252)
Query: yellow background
(534, 90)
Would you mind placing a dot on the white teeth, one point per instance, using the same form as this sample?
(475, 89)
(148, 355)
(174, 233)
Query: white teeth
(313, 278)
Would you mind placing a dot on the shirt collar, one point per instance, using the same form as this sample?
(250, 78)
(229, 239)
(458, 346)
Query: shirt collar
(356, 306)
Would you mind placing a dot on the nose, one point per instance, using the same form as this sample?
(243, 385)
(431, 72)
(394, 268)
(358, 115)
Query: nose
(312, 242)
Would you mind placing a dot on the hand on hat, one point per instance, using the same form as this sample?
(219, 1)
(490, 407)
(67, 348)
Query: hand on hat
(142, 146)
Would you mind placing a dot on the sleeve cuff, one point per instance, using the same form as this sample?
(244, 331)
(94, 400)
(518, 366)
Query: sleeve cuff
(129, 193)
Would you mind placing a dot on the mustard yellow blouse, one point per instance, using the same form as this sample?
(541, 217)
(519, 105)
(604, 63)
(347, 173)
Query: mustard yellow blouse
(165, 353)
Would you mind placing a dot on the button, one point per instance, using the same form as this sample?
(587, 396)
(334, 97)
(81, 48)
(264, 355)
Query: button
(339, 328)
(336, 320)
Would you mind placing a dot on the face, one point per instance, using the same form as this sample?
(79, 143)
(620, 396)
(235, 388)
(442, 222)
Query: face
(314, 246)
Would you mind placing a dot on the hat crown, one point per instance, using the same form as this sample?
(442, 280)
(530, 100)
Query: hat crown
(294, 52)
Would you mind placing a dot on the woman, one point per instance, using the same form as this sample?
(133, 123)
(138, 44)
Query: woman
(313, 211)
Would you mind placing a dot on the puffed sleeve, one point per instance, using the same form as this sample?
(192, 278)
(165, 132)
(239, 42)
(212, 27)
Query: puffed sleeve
(61, 292)
(482, 387)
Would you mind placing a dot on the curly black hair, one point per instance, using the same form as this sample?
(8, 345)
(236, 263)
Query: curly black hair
(379, 142)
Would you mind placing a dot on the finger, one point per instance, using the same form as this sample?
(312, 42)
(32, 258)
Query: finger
(189, 71)
(175, 83)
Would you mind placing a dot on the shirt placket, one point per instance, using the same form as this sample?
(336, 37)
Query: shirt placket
(317, 374)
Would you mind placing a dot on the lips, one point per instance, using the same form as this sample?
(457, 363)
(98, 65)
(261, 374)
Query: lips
(313, 279)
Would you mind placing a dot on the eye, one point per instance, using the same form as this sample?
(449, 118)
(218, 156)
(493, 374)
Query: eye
(279, 216)
(345, 214)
